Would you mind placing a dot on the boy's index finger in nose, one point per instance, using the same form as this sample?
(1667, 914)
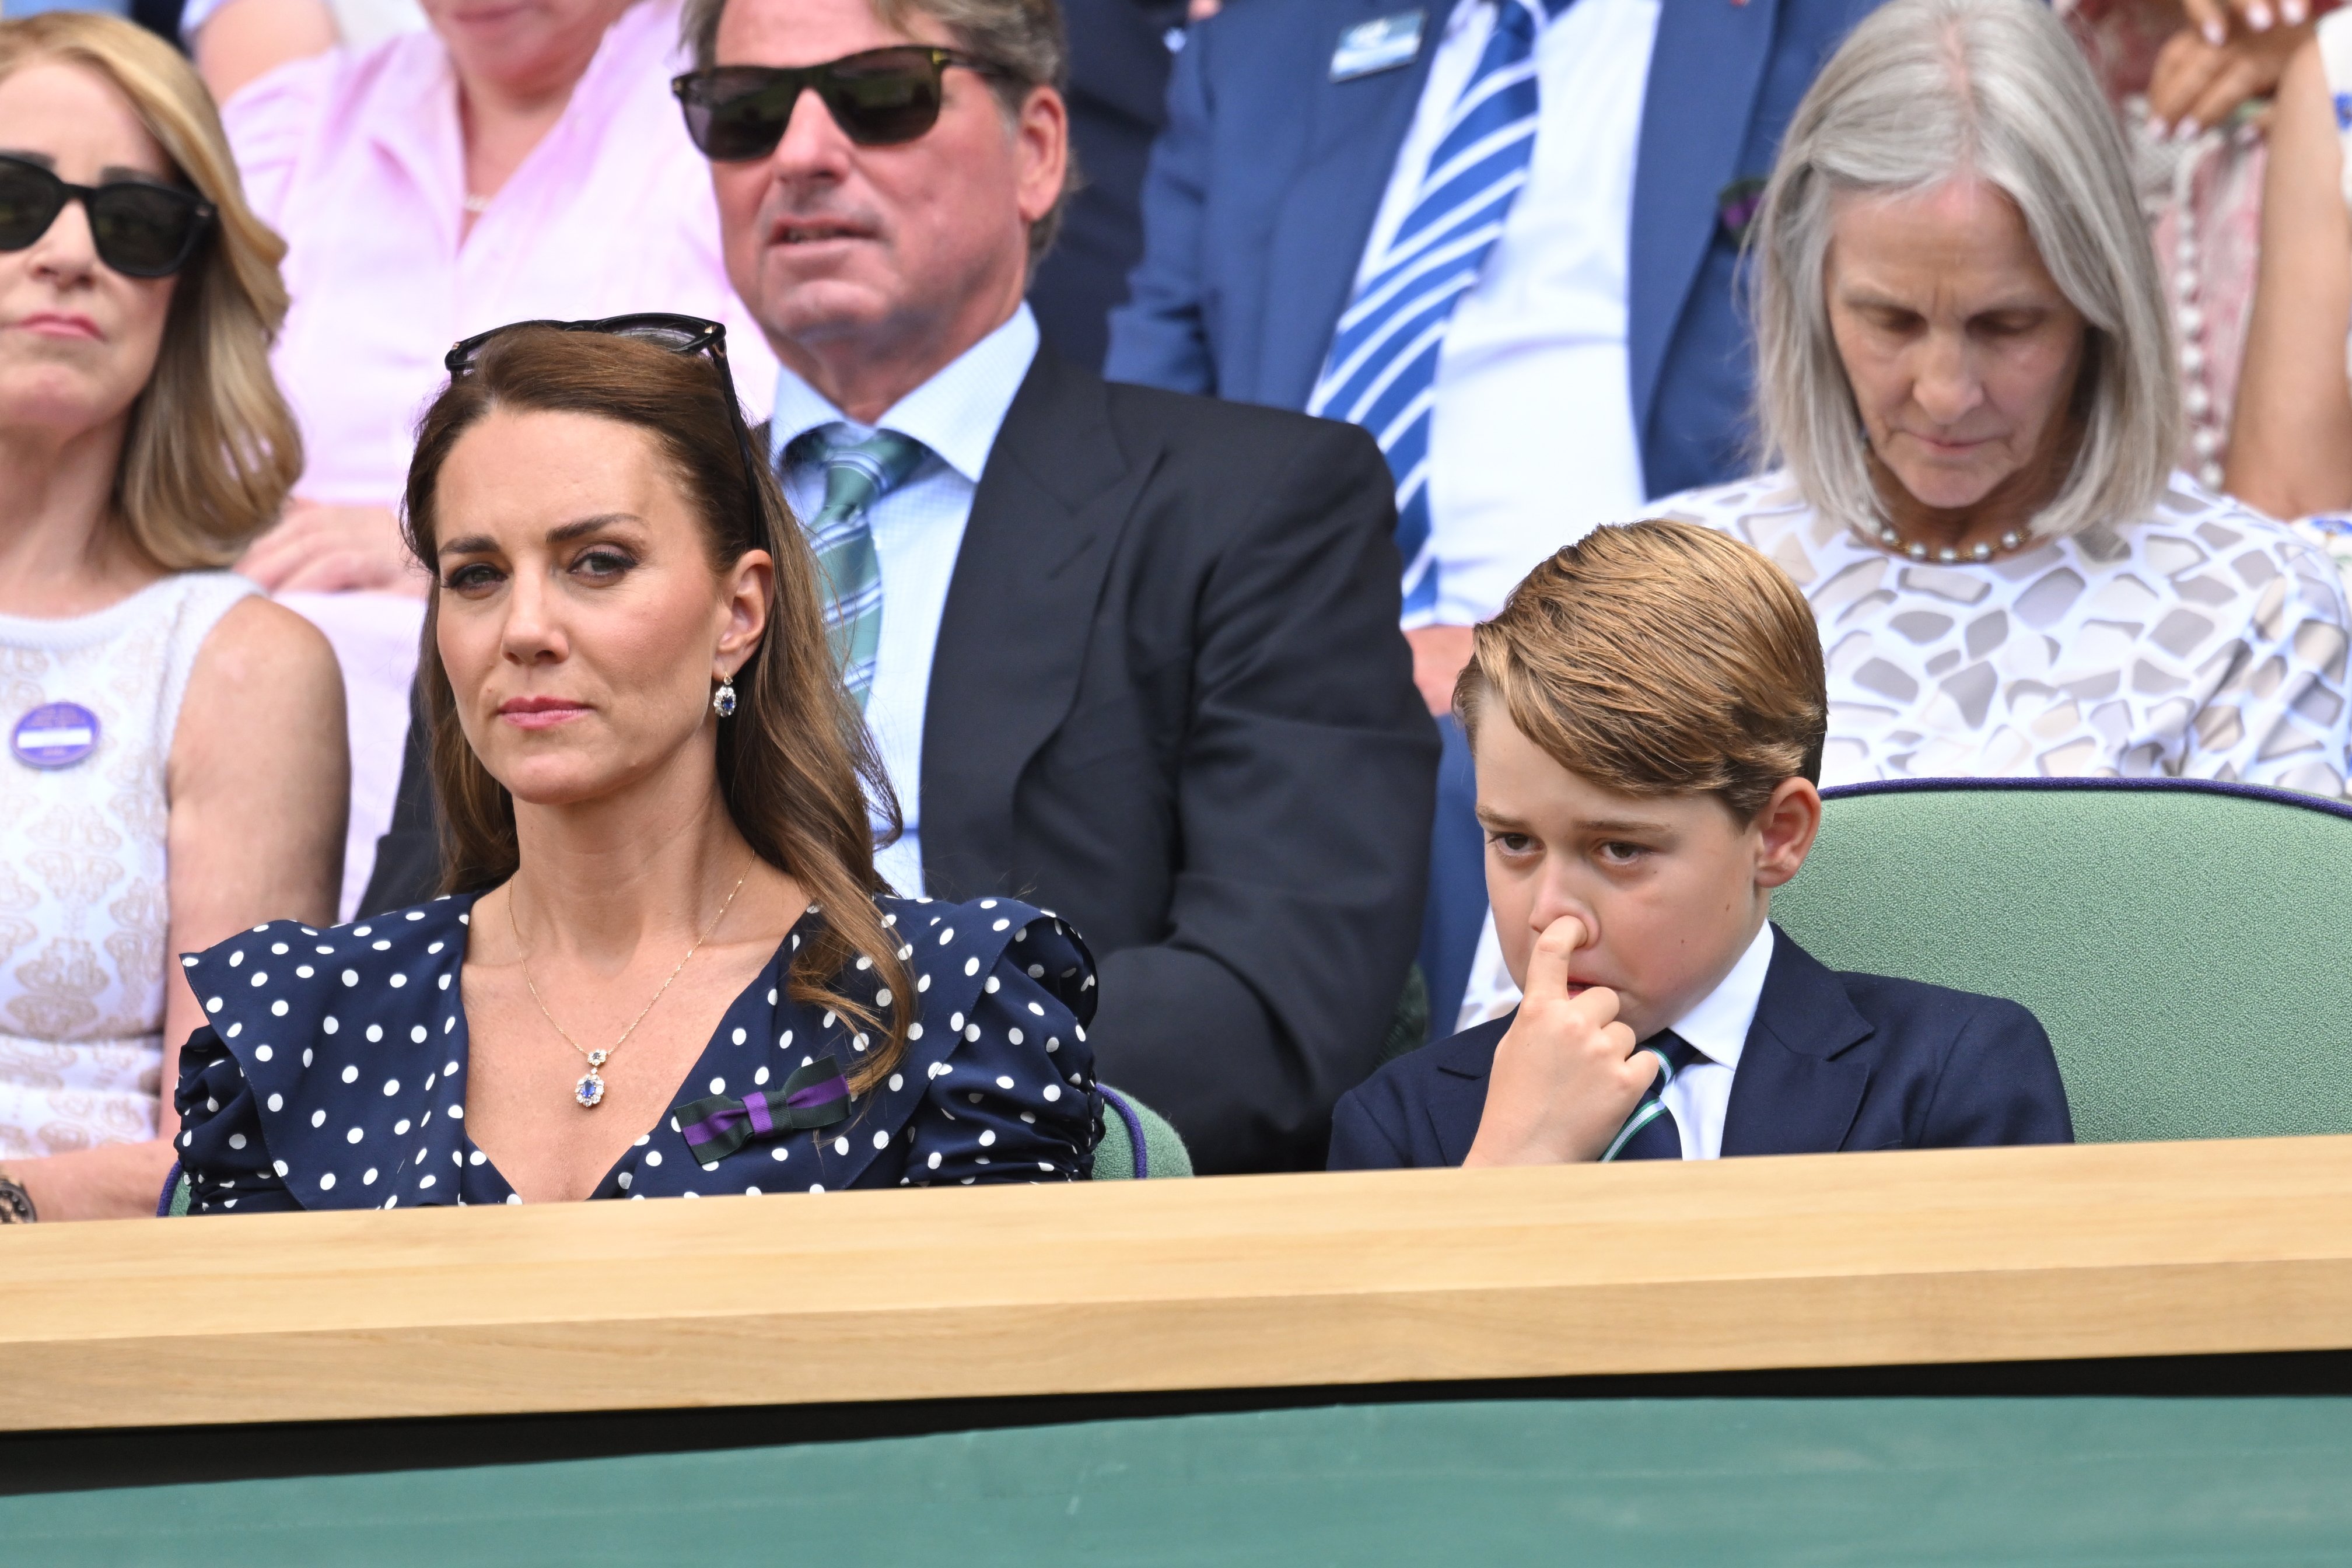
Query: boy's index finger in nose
(1548, 965)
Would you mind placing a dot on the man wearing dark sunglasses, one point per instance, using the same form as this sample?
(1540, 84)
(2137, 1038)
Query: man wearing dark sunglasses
(1131, 653)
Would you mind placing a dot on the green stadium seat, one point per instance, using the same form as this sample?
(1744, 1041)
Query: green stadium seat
(1137, 1141)
(2188, 946)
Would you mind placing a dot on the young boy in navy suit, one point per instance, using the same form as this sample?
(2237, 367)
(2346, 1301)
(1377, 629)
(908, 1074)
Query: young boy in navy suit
(1647, 716)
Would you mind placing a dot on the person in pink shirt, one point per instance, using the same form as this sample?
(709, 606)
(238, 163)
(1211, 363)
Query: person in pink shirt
(519, 159)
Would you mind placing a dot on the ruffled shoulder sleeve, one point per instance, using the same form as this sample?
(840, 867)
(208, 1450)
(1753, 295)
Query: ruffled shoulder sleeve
(322, 1052)
(1013, 1099)
(222, 1148)
(997, 1081)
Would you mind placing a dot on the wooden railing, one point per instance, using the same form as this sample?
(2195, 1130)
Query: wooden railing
(1838, 1260)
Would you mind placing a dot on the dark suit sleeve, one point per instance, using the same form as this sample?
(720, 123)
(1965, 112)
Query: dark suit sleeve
(1362, 1138)
(1160, 337)
(1303, 801)
(1117, 95)
(408, 856)
(1999, 1084)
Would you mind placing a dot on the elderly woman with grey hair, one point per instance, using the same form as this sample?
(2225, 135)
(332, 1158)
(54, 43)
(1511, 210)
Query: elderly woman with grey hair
(1967, 386)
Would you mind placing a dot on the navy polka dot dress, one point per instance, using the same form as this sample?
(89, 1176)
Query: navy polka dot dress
(331, 1069)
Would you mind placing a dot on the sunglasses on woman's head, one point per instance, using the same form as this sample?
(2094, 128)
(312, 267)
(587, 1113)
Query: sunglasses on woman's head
(141, 230)
(678, 334)
(878, 98)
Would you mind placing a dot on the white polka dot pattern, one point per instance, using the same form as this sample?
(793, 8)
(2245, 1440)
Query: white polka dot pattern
(328, 1108)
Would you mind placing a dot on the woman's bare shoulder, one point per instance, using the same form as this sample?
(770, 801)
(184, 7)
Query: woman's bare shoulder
(262, 652)
(264, 692)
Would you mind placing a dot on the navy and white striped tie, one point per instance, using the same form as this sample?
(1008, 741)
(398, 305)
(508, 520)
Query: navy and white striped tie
(1382, 371)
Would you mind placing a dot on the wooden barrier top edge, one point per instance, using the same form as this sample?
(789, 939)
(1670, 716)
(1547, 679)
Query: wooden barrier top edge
(1846, 1259)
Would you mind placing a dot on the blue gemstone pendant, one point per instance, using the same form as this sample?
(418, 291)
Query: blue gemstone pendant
(589, 1089)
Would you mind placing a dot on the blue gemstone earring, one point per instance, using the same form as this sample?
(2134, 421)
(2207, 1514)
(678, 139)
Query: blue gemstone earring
(722, 701)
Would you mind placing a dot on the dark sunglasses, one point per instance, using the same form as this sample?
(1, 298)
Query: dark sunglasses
(879, 98)
(141, 230)
(679, 335)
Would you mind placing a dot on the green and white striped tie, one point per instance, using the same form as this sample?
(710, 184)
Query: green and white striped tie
(856, 475)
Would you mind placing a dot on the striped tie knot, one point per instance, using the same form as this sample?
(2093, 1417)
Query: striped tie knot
(1651, 1131)
(857, 474)
(1382, 370)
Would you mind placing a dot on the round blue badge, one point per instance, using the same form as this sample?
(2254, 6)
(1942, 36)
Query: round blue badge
(54, 735)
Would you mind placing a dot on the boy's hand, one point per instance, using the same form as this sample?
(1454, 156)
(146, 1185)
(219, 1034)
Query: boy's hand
(1566, 1076)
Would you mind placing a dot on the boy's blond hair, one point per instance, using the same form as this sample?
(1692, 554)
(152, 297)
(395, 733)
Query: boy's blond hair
(1657, 659)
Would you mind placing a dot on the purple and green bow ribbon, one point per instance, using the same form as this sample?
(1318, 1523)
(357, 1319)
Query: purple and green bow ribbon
(815, 1096)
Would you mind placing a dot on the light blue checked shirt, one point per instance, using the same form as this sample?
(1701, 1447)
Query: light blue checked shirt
(918, 531)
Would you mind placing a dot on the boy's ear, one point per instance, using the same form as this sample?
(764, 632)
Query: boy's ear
(1785, 830)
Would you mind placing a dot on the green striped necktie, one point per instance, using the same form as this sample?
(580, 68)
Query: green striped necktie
(856, 475)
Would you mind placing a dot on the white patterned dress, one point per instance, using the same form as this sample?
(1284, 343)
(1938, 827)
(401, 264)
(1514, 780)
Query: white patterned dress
(84, 872)
(2202, 641)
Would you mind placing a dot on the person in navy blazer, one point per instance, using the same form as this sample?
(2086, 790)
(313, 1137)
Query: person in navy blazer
(1120, 61)
(1645, 788)
(1833, 1061)
(1297, 130)
(1266, 183)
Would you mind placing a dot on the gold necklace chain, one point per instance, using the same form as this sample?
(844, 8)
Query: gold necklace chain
(589, 1089)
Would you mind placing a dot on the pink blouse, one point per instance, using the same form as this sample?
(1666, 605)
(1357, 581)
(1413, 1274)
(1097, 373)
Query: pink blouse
(356, 159)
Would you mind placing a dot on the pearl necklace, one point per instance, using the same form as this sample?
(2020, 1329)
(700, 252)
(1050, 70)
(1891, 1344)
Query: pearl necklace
(2164, 174)
(1945, 554)
(2206, 436)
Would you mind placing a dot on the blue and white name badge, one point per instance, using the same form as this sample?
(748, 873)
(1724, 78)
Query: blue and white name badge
(1383, 43)
(54, 735)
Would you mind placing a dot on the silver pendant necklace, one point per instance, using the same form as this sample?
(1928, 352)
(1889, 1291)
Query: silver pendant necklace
(589, 1091)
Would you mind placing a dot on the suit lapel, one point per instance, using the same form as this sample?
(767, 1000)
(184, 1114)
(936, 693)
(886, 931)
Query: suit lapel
(1326, 215)
(1045, 522)
(1457, 1090)
(1795, 1093)
(1690, 150)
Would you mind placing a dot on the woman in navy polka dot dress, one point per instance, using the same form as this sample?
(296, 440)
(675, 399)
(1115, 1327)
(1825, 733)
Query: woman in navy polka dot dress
(665, 967)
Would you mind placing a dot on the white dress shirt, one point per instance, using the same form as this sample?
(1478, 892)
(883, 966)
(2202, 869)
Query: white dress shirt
(918, 533)
(1533, 443)
(1717, 1027)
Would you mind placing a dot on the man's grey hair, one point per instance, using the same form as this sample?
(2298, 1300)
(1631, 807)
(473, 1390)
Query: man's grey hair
(1925, 90)
(1024, 38)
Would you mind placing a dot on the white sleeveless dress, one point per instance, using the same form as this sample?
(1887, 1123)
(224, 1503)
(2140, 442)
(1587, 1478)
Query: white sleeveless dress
(84, 915)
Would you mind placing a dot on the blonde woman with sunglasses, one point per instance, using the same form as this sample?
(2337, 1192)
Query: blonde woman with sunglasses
(176, 766)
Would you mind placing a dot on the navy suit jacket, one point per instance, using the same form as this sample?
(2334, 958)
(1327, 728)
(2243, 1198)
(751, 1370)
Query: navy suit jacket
(1833, 1061)
(1264, 186)
(1118, 98)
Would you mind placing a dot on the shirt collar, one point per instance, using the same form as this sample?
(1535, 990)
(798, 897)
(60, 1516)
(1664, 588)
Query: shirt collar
(1717, 1027)
(956, 414)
